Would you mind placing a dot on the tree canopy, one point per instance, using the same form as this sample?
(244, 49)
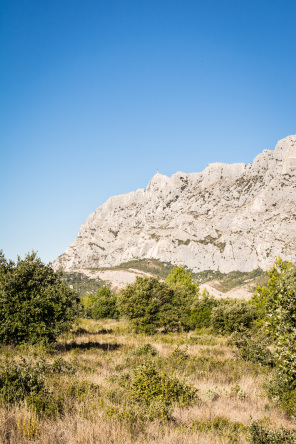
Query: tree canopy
(35, 304)
(151, 304)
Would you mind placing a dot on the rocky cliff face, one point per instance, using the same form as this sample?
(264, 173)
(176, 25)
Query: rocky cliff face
(228, 217)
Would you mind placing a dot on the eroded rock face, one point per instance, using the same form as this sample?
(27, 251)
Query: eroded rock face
(228, 217)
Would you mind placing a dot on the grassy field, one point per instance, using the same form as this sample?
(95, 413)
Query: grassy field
(105, 384)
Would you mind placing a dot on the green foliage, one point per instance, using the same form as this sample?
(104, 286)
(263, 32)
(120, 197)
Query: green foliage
(202, 310)
(253, 347)
(221, 425)
(151, 304)
(44, 404)
(232, 315)
(276, 306)
(283, 393)
(26, 380)
(264, 297)
(19, 380)
(259, 433)
(146, 349)
(179, 277)
(103, 304)
(35, 304)
(82, 389)
(150, 386)
(282, 322)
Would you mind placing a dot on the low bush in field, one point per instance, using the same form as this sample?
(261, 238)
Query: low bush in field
(260, 433)
(146, 349)
(46, 404)
(25, 381)
(220, 425)
(81, 389)
(19, 380)
(155, 391)
(148, 384)
(252, 348)
(232, 315)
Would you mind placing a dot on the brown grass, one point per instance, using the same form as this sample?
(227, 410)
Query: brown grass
(228, 388)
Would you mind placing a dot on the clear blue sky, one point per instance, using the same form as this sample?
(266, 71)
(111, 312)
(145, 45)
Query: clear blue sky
(95, 96)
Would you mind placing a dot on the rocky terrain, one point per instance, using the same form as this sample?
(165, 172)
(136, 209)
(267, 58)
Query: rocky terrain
(228, 217)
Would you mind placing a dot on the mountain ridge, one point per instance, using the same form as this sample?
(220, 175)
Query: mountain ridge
(227, 217)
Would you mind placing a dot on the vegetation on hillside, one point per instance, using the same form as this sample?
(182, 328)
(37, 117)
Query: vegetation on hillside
(81, 283)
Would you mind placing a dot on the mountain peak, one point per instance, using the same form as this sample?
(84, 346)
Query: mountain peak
(227, 217)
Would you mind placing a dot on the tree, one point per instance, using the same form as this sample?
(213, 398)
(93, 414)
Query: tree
(232, 315)
(151, 304)
(179, 277)
(101, 305)
(264, 297)
(282, 322)
(35, 304)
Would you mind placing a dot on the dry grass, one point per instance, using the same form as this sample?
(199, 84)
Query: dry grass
(102, 351)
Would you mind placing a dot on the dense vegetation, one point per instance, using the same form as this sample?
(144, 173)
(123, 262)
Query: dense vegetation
(35, 304)
(205, 368)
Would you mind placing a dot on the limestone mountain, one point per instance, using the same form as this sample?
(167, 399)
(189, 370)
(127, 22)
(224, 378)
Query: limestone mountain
(228, 217)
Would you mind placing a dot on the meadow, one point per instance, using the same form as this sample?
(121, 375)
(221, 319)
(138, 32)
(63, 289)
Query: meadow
(104, 383)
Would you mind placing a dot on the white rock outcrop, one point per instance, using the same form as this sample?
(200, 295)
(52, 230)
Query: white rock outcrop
(228, 217)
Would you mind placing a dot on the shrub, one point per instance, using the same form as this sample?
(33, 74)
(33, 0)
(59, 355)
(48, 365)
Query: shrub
(103, 304)
(151, 305)
(264, 297)
(259, 433)
(146, 349)
(81, 389)
(202, 310)
(44, 404)
(253, 347)
(283, 393)
(19, 380)
(35, 304)
(149, 385)
(219, 425)
(232, 315)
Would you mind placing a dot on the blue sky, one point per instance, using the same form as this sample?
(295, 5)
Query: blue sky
(98, 95)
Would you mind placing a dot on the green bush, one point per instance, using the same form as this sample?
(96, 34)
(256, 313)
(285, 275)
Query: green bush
(232, 315)
(264, 298)
(44, 404)
(201, 311)
(179, 277)
(253, 347)
(35, 304)
(150, 387)
(82, 389)
(259, 433)
(283, 393)
(282, 323)
(19, 380)
(146, 349)
(103, 304)
(220, 425)
(152, 305)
